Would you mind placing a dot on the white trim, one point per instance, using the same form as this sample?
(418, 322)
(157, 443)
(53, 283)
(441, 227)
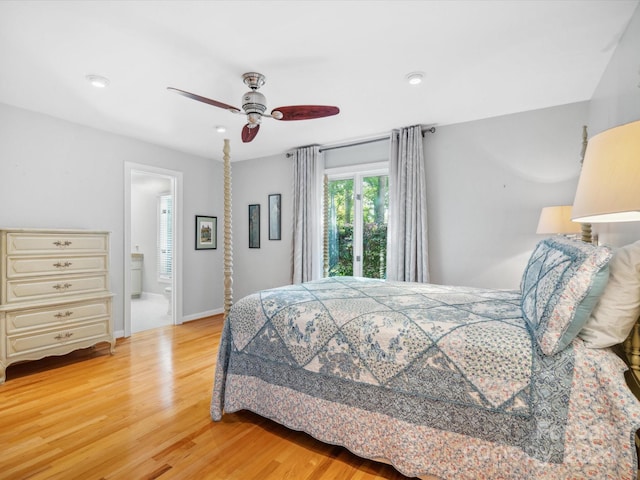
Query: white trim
(198, 316)
(366, 169)
(176, 282)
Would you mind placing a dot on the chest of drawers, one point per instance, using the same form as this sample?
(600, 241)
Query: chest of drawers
(54, 293)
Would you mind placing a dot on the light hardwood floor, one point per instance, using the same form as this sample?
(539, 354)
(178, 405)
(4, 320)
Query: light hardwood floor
(143, 413)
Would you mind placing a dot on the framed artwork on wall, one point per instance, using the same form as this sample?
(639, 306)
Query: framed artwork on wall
(206, 232)
(254, 226)
(274, 217)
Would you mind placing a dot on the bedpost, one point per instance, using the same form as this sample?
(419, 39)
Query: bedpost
(228, 248)
(632, 349)
(587, 236)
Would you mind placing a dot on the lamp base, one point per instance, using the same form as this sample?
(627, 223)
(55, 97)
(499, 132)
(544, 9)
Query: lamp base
(587, 237)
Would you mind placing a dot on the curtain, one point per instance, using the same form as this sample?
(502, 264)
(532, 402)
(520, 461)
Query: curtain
(307, 214)
(407, 252)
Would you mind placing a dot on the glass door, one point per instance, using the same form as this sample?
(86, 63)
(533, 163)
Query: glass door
(358, 214)
(375, 210)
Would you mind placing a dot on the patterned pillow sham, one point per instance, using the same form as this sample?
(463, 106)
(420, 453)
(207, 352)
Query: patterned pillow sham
(561, 285)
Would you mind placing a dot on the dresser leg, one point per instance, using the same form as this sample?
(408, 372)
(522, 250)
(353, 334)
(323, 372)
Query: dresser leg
(3, 373)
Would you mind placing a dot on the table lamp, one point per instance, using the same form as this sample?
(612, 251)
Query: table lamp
(557, 220)
(609, 185)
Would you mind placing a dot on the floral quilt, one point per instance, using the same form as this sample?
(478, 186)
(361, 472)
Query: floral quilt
(436, 380)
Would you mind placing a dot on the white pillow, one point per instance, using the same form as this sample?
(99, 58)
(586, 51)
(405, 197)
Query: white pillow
(619, 307)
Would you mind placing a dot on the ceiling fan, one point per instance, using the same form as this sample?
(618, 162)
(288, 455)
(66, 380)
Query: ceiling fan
(254, 106)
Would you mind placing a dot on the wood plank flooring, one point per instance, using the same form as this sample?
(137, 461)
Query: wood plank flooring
(143, 413)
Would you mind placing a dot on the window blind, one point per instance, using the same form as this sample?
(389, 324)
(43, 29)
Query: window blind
(165, 237)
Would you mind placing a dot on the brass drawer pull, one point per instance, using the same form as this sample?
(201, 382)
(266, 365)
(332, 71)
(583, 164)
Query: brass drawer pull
(60, 336)
(62, 265)
(63, 315)
(58, 243)
(62, 286)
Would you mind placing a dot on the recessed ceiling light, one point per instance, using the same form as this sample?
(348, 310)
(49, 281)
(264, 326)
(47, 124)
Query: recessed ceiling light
(415, 78)
(97, 81)
(221, 129)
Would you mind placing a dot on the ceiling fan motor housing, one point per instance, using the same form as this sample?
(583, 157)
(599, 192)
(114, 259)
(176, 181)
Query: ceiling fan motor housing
(253, 103)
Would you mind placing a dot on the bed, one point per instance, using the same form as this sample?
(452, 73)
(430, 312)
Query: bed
(451, 382)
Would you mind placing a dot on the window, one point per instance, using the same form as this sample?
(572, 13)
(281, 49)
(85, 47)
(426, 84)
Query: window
(165, 237)
(358, 212)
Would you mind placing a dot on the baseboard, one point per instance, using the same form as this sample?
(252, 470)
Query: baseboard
(186, 318)
(198, 316)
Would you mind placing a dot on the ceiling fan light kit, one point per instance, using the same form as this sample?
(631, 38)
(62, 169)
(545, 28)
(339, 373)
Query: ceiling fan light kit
(254, 105)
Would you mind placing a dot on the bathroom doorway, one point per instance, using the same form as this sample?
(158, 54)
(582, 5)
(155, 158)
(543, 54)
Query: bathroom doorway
(152, 242)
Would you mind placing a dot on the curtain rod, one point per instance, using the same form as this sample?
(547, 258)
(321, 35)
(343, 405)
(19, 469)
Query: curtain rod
(365, 142)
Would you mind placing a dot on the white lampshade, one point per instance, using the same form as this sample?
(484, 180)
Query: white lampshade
(609, 185)
(557, 219)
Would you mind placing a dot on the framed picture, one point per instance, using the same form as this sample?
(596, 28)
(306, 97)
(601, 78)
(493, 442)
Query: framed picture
(206, 232)
(274, 217)
(254, 226)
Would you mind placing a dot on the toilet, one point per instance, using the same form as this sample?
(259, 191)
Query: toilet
(167, 295)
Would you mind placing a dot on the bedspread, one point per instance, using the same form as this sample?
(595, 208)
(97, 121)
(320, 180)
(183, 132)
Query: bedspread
(438, 380)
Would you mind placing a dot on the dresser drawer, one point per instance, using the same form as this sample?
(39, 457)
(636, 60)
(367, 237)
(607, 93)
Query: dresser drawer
(56, 339)
(54, 287)
(32, 266)
(22, 243)
(19, 321)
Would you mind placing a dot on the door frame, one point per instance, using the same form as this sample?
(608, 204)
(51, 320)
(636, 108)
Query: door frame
(176, 279)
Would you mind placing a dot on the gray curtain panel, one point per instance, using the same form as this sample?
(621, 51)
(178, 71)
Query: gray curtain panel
(307, 198)
(407, 247)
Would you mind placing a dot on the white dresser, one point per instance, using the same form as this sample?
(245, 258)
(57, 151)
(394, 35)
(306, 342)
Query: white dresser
(54, 293)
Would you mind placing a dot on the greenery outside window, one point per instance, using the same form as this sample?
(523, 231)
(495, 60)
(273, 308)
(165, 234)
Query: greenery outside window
(358, 216)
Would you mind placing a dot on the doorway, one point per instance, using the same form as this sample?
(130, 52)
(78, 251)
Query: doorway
(152, 248)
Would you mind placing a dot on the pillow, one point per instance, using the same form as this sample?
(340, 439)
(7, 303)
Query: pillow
(619, 307)
(561, 285)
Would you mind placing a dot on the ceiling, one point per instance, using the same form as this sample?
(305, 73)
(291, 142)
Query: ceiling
(480, 59)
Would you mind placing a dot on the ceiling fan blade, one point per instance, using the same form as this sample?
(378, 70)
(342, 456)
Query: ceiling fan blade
(249, 134)
(215, 103)
(303, 112)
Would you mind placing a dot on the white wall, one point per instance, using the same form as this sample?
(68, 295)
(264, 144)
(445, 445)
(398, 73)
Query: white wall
(616, 100)
(487, 181)
(270, 265)
(56, 174)
(371, 152)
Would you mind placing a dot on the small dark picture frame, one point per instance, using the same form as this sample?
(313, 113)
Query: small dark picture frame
(275, 229)
(254, 226)
(206, 232)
